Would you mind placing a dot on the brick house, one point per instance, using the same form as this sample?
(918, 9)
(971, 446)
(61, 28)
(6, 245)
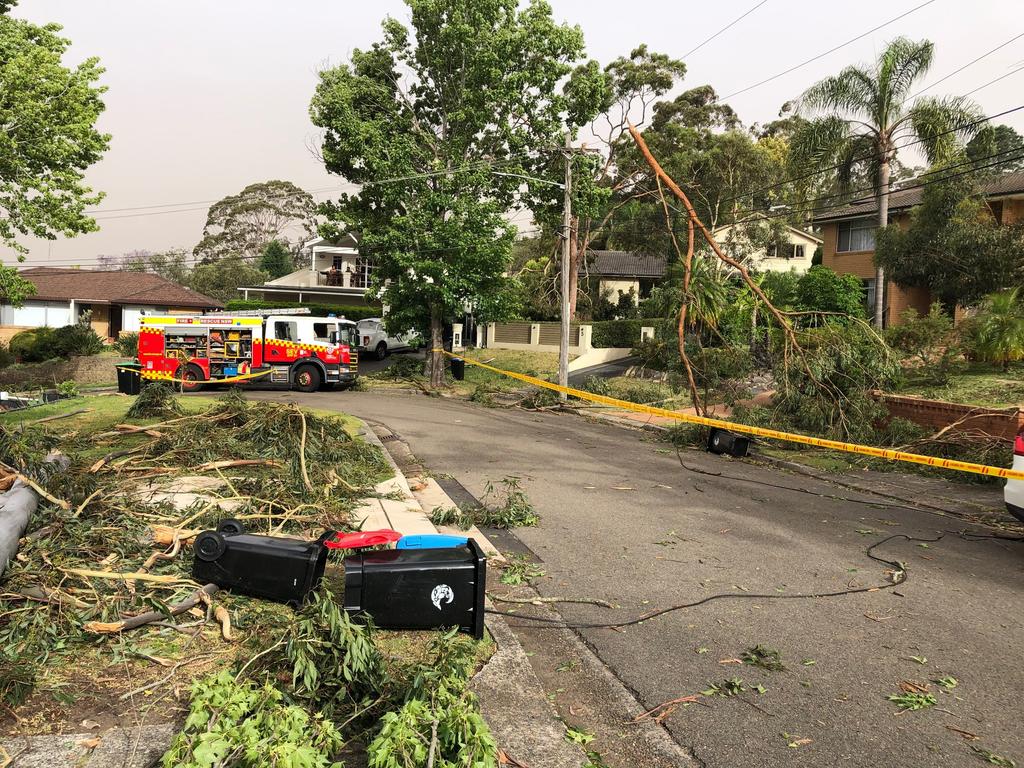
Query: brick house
(848, 235)
(116, 300)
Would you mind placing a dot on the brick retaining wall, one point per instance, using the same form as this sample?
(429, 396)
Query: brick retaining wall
(935, 414)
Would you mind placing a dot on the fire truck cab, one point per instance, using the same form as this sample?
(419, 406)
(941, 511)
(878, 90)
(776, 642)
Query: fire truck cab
(279, 351)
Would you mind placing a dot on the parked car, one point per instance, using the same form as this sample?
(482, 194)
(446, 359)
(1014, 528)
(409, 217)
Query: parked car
(1014, 491)
(373, 338)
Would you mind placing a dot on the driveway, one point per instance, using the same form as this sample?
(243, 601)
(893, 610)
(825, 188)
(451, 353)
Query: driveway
(624, 521)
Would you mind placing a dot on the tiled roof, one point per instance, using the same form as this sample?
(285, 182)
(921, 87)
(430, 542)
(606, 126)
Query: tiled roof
(112, 287)
(626, 264)
(1005, 184)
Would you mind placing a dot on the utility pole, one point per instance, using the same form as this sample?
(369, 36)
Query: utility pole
(563, 347)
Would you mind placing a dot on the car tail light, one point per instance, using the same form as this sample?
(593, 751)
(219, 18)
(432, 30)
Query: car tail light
(1018, 446)
(366, 341)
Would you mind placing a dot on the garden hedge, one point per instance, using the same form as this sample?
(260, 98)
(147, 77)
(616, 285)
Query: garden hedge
(341, 310)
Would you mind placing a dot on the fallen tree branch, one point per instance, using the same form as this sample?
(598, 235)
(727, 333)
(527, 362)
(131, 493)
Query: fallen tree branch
(230, 463)
(136, 575)
(132, 622)
(61, 416)
(302, 452)
(221, 614)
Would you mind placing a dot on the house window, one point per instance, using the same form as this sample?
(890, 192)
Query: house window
(785, 251)
(361, 276)
(856, 235)
(338, 262)
(869, 295)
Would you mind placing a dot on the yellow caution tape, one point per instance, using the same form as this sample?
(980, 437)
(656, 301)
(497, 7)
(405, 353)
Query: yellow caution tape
(774, 434)
(164, 376)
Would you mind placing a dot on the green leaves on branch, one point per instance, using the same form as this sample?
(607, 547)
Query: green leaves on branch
(48, 138)
(232, 723)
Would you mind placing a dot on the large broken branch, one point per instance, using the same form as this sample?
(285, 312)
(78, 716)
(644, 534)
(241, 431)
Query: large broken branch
(104, 628)
(684, 307)
(779, 316)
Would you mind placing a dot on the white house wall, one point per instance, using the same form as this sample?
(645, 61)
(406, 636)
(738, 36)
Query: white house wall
(36, 314)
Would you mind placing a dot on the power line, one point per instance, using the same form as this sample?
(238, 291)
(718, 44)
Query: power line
(816, 172)
(723, 29)
(970, 63)
(996, 80)
(476, 165)
(826, 53)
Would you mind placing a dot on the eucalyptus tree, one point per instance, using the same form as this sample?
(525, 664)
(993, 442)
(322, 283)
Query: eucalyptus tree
(861, 116)
(440, 123)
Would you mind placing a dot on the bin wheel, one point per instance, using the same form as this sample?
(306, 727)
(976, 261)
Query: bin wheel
(307, 379)
(192, 375)
(209, 546)
(230, 527)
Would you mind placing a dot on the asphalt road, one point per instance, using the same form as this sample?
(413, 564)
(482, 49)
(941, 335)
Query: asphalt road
(623, 521)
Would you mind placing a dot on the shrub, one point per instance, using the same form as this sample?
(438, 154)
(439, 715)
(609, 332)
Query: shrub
(127, 344)
(22, 344)
(643, 392)
(598, 385)
(996, 333)
(657, 354)
(822, 290)
(618, 334)
(68, 388)
(41, 344)
(713, 365)
(76, 340)
(922, 338)
(341, 310)
(6, 358)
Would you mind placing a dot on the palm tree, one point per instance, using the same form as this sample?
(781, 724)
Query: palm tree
(999, 331)
(863, 112)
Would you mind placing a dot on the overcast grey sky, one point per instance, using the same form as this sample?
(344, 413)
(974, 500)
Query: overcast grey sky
(206, 97)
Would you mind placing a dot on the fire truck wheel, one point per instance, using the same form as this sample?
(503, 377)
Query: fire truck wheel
(192, 376)
(307, 379)
(382, 351)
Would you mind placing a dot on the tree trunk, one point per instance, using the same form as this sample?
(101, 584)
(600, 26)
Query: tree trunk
(883, 221)
(435, 359)
(574, 268)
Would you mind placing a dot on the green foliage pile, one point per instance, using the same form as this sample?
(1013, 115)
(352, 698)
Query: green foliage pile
(6, 357)
(156, 400)
(504, 505)
(243, 723)
(321, 310)
(110, 523)
(831, 395)
(40, 344)
(326, 681)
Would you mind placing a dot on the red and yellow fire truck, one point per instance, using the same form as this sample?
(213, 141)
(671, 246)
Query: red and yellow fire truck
(270, 350)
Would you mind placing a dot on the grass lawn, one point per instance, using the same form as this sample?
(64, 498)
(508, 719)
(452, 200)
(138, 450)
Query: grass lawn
(538, 364)
(977, 384)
